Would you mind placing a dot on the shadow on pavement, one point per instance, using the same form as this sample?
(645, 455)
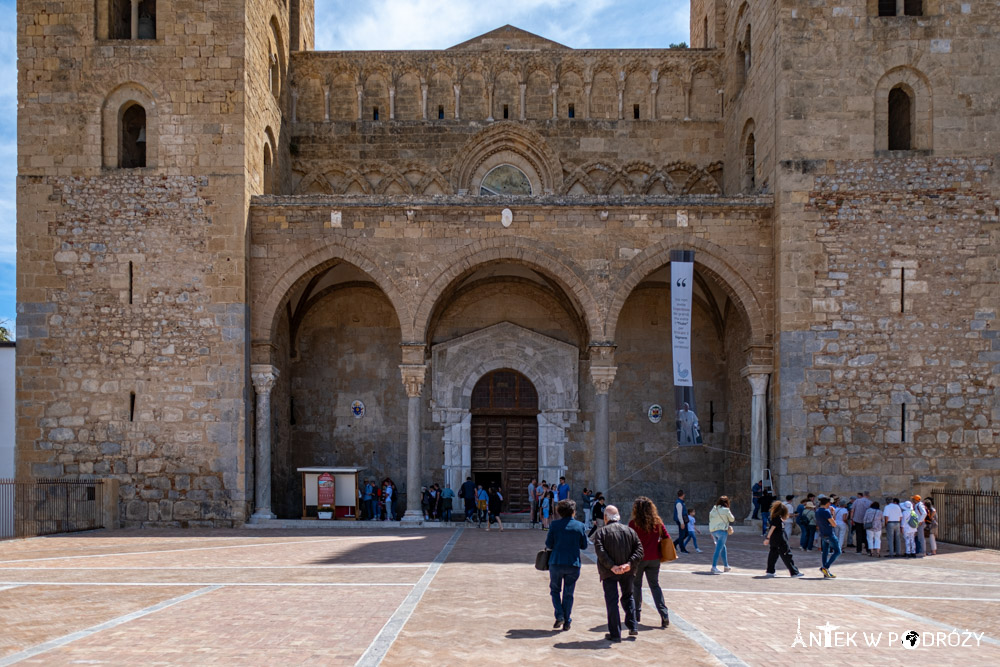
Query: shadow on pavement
(585, 645)
(531, 633)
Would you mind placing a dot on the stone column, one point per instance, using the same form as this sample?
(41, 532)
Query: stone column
(653, 89)
(555, 101)
(361, 110)
(602, 374)
(587, 87)
(423, 101)
(263, 377)
(523, 87)
(489, 100)
(413, 381)
(757, 376)
(392, 103)
(295, 104)
(135, 19)
(458, 95)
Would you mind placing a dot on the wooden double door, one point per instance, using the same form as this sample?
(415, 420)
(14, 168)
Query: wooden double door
(506, 446)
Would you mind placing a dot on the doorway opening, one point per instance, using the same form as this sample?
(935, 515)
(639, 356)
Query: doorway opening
(505, 435)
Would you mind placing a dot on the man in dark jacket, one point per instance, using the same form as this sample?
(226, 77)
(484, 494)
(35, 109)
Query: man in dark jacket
(566, 538)
(618, 552)
(468, 494)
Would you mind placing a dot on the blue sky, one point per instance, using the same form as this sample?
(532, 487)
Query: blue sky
(377, 25)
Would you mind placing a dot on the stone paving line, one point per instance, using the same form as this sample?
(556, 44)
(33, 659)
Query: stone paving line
(62, 641)
(285, 605)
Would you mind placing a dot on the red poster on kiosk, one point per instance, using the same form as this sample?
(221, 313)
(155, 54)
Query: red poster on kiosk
(325, 493)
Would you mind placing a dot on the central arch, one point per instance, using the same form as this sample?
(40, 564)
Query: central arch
(570, 279)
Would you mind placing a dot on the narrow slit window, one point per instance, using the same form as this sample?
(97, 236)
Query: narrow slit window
(572, 111)
(131, 406)
(440, 112)
(902, 422)
(374, 113)
(711, 416)
(705, 42)
(900, 120)
(130, 288)
(635, 111)
(506, 112)
(902, 290)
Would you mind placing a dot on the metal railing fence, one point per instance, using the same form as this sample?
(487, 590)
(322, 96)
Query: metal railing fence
(969, 518)
(29, 508)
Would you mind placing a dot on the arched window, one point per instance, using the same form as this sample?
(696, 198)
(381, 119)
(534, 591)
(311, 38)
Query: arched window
(268, 170)
(132, 20)
(132, 137)
(750, 164)
(276, 60)
(900, 120)
(747, 56)
(505, 179)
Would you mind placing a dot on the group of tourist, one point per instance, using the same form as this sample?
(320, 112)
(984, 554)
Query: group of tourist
(624, 555)
(437, 503)
(378, 501)
(482, 505)
(910, 526)
(542, 500)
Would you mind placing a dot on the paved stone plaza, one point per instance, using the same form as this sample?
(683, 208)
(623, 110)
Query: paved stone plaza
(423, 596)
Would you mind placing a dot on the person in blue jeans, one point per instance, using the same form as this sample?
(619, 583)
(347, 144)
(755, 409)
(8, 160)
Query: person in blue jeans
(718, 524)
(828, 537)
(566, 538)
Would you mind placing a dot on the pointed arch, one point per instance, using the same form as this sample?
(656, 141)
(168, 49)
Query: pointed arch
(296, 270)
(555, 265)
(734, 278)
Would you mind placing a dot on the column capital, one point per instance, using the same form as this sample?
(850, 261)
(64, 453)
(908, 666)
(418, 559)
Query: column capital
(263, 377)
(603, 377)
(413, 378)
(757, 376)
(602, 354)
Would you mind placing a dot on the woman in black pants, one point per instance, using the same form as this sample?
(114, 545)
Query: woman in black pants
(778, 544)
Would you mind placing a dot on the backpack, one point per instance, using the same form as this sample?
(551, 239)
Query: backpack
(801, 519)
(914, 519)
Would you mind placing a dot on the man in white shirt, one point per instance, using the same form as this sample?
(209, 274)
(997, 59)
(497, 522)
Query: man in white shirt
(893, 516)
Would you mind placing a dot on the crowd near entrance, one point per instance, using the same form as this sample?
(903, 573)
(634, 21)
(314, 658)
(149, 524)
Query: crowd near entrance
(505, 435)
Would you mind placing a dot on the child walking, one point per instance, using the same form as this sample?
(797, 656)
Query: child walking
(778, 543)
(546, 510)
(691, 532)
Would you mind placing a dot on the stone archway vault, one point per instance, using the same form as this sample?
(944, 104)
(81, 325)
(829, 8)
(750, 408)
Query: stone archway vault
(551, 365)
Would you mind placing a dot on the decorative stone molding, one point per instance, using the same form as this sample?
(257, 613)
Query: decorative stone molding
(551, 365)
(413, 378)
(263, 377)
(603, 377)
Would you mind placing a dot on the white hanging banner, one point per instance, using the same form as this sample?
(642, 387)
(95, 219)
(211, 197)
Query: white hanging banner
(681, 288)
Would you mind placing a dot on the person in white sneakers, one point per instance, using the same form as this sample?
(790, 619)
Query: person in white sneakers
(692, 531)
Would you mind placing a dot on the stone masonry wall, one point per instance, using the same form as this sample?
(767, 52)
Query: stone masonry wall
(897, 381)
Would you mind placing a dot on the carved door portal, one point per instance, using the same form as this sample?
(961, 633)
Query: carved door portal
(505, 434)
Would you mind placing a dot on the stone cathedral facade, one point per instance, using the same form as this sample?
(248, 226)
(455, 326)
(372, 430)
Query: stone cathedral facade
(238, 256)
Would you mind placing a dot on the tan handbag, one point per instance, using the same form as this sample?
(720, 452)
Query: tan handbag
(667, 550)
